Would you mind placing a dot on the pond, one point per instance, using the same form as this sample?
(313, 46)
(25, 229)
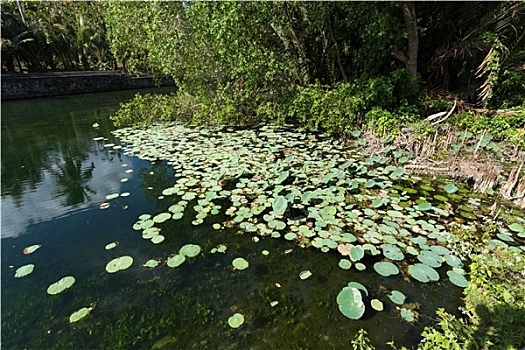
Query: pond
(211, 238)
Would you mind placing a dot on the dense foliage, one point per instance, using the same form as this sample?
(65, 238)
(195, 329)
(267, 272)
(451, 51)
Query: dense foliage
(54, 35)
(323, 64)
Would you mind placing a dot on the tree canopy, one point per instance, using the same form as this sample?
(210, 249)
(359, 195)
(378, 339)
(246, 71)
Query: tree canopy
(323, 64)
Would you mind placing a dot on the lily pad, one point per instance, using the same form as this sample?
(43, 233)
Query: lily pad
(176, 260)
(407, 315)
(112, 196)
(385, 268)
(78, 315)
(25, 270)
(236, 320)
(111, 245)
(356, 253)
(457, 279)
(345, 264)
(397, 297)
(305, 274)
(350, 303)
(118, 264)
(430, 258)
(359, 286)
(190, 250)
(279, 205)
(162, 217)
(516, 227)
(157, 239)
(423, 273)
(151, 263)
(240, 263)
(450, 188)
(61, 285)
(31, 249)
(376, 305)
(360, 266)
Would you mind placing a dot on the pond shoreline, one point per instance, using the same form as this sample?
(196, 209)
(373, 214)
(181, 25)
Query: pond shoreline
(33, 85)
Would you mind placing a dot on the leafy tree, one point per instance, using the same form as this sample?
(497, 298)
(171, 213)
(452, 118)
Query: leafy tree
(54, 35)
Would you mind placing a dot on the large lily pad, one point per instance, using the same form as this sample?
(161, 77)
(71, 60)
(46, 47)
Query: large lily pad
(423, 273)
(119, 264)
(190, 250)
(350, 303)
(385, 268)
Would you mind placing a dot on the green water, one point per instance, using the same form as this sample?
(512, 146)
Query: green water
(54, 177)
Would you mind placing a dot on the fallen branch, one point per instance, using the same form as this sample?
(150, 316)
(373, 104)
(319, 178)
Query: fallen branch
(495, 111)
(448, 115)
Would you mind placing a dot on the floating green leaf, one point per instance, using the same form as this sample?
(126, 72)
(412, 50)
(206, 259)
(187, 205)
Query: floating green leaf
(397, 297)
(407, 315)
(345, 264)
(112, 196)
(151, 263)
(176, 260)
(457, 279)
(424, 206)
(118, 264)
(240, 263)
(160, 218)
(279, 205)
(359, 286)
(190, 250)
(25, 270)
(157, 239)
(236, 320)
(31, 249)
(376, 304)
(78, 315)
(385, 268)
(356, 253)
(423, 273)
(61, 285)
(430, 258)
(450, 188)
(111, 245)
(305, 274)
(282, 177)
(516, 227)
(360, 266)
(350, 303)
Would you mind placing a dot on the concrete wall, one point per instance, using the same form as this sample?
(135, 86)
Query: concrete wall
(19, 86)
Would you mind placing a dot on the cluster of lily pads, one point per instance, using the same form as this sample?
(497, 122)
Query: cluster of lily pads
(313, 190)
(351, 302)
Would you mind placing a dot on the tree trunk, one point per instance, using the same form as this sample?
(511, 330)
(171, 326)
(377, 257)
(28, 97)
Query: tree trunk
(409, 13)
(410, 58)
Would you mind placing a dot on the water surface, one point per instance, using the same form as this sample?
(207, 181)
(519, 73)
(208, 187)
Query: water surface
(54, 178)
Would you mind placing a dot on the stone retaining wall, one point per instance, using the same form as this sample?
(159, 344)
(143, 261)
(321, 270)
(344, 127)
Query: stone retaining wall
(19, 86)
